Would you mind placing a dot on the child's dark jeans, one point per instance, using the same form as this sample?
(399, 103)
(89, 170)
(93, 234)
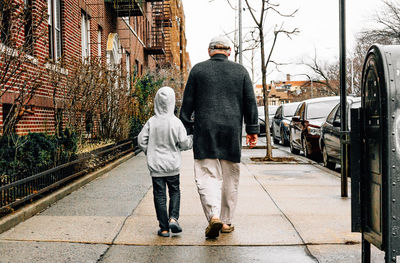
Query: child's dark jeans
(160, 199)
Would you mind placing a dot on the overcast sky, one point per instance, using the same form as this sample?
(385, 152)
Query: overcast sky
(317, 20)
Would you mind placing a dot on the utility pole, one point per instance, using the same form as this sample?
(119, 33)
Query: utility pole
(343, 100)
(240, 33)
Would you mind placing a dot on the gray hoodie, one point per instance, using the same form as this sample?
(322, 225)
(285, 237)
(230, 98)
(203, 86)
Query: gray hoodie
(164, 136)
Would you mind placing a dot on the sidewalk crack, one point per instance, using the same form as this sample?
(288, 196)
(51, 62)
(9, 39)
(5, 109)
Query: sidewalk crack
(307, 250)
(120, 229)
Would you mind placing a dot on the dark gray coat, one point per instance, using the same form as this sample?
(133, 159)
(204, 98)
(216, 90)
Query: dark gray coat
(220, 93)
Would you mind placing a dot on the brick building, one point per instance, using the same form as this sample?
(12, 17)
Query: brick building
(277, 94)
(281, 92)
(134, 35)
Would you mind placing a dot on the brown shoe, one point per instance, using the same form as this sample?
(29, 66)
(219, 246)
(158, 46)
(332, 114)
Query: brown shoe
(212, 231)
(229, 229)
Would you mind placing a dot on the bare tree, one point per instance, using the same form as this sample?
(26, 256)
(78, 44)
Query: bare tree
(386, 35)
(357, 62)
(266, 7)
(388, 24)
(385, 32)
(97, 101)
(17, 79)
(327, 76)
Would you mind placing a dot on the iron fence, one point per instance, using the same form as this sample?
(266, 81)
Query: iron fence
(15, 191)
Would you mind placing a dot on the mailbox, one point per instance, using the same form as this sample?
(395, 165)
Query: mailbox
(375, 154)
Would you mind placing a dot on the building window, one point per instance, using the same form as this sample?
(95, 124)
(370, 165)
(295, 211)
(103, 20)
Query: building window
(99, 34)
(5, 19)
(54, 26)
(128, 71)
(28, 31)
(135, 24)
(136, 67)
(89, 124)
(147, 29)
(59, 121)
(8, 111)
(140, 28)
(85, 36)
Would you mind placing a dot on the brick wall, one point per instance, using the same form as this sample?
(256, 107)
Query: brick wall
(41, 121)
(180, 58)
(41, 115)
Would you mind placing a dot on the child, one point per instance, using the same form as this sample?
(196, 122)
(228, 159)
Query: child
(162, 138)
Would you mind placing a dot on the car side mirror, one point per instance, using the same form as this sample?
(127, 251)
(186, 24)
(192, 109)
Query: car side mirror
(336, 123)
(296, 118)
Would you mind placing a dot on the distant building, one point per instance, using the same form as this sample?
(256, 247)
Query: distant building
(278, 92)
(276, 95)
(281, 92)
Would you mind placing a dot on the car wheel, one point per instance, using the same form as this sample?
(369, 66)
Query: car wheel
(262, 130)
(292, 149)
(325, 159)
(276, 141)
(283, 139)
(305, 149)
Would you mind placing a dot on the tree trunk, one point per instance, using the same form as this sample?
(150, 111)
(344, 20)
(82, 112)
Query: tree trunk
(265, 95)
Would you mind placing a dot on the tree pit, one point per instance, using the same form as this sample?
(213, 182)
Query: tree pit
(275, 159)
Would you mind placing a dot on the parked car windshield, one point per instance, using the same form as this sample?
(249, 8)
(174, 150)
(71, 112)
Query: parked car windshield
(272, 110)
(260, 111)
(320, 109)
(289, 110)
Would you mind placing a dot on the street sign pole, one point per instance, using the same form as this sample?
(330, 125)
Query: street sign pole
(343, 101)
(365, 251)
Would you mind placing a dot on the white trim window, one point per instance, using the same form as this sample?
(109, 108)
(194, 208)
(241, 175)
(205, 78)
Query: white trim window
(128, 71)
(28, 30)
(85, 36)
(99, 34)
(54, 27)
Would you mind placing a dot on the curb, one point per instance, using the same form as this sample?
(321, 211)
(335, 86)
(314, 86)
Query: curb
(30, 210)
(317, 165)
(300, 160)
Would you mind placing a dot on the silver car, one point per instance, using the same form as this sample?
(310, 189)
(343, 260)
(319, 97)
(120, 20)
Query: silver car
(261, 117)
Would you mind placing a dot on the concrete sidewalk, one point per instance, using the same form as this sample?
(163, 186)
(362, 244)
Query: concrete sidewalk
(285, 213)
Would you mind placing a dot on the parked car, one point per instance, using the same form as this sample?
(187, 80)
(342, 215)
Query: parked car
(281, 121)
(330, 133)
(306, 123)
(261, 117)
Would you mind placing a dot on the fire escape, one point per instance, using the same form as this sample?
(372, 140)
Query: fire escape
(126, 8)
(159, 35)
(159, 38)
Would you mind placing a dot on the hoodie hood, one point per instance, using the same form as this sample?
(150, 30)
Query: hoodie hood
(164, 102)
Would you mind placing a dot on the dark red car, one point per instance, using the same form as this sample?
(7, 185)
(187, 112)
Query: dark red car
(306, 124)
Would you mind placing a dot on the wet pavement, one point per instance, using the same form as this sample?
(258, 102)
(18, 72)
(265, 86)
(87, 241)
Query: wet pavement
(285, 213)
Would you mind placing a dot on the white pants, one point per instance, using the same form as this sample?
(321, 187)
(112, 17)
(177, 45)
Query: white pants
(217, 183)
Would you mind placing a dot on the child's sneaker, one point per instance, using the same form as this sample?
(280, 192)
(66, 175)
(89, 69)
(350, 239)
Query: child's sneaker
(161, 234)
(175, 227)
